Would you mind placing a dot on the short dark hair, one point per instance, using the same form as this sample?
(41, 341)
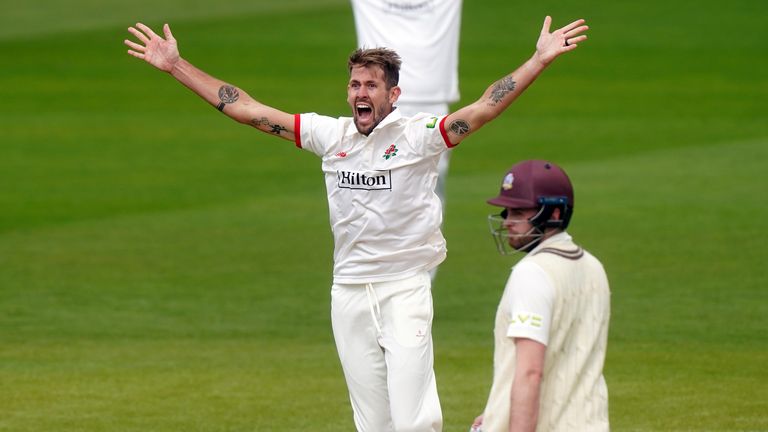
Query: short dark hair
(387, 59)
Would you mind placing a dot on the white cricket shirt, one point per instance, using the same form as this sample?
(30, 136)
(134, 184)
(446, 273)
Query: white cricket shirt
(384, 213)
(566, 306)
(426, 35)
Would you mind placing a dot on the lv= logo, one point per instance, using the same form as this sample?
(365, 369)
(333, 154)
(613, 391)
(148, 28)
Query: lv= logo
(528, 319)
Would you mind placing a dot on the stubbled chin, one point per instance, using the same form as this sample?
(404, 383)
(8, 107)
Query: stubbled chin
(364, 126)
(517, 243)
(364, 131)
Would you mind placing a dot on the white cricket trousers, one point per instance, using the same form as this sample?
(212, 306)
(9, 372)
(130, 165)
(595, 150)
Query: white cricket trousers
(383, 334)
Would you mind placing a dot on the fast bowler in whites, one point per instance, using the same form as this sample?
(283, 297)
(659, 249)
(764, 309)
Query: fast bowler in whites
(380, 172)
(552, 322)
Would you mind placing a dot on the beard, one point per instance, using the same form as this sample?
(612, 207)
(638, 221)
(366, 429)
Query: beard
(526, 242)
(366, 131)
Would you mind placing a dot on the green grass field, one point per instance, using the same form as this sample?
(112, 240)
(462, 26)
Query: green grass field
(165, 269)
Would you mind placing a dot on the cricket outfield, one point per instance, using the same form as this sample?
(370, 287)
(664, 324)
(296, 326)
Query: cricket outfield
(164, 268)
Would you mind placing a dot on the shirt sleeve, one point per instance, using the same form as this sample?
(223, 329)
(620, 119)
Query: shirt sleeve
(427, 134)
(315, 133)
(532, 298)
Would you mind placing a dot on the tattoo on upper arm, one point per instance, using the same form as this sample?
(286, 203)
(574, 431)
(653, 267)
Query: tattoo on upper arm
(501, 88)
(459, 127)
(270, 127)
(227, 94)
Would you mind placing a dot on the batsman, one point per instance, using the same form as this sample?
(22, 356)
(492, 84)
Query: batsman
(380, 170)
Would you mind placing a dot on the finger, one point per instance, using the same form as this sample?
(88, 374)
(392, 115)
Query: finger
(139, 35)
(147, 30)
(577, 39)
(572, 25)
(547, 23)
(135, 46)
(576, 31)
(167, 31)
(136, 54)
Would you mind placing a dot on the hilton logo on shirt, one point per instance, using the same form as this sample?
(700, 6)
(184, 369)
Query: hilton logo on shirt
(371, 180)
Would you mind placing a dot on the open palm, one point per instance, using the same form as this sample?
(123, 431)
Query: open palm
(160, 53)
(551, 45)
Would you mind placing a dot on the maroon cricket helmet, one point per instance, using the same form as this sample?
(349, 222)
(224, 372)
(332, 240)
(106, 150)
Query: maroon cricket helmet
(531, 183)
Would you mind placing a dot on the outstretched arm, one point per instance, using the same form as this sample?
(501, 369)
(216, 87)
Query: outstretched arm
(163, 53)
(503, 92)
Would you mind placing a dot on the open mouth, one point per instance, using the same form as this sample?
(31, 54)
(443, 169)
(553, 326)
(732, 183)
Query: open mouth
(364, 112)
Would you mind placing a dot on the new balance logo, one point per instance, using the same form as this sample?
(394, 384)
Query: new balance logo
(375, 180)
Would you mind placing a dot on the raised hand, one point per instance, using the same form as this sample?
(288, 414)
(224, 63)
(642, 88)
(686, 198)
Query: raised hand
(160, 53)
(551, 45)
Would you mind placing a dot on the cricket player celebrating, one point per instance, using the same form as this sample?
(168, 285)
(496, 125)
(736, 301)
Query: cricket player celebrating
(380, 172)
(552, 322)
